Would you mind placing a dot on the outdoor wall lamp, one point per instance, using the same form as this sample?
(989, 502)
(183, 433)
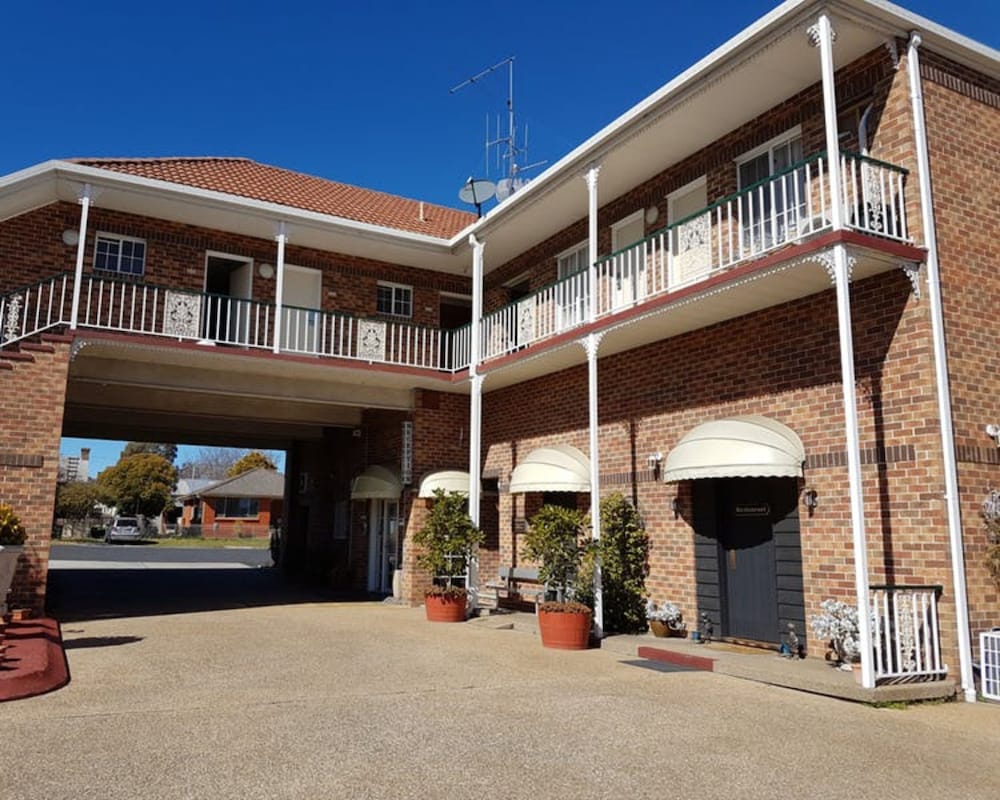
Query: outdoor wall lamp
(810, 499)
(70, 237)
(265, 271)
(654, 459)
(994, 431)
(675, 506)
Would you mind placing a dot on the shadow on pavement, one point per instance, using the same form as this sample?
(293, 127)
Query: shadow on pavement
(110, 593)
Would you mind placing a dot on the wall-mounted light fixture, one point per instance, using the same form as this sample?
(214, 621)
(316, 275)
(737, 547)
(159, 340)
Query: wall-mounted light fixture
(675, 506)
(810, 498)
(994, 431)
(265, 270)
(654, 459)
(652, 214)
(70, 237)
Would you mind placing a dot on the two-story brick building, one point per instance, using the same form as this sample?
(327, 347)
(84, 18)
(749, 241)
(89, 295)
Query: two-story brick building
(759, 304)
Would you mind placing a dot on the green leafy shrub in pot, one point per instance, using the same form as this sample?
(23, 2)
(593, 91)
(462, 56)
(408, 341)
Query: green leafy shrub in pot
(557, 541)
(11, 530)
(447, 540)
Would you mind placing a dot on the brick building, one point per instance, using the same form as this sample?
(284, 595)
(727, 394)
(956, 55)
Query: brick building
(785, 360)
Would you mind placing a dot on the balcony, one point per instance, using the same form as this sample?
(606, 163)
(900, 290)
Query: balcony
(788, 208)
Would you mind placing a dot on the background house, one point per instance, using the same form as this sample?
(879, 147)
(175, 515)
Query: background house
(242, 507)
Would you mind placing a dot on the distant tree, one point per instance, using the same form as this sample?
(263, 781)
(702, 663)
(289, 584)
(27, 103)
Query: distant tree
(251, 460)
(139, 484)
(77, 499)
(215, 462)
(168, 451)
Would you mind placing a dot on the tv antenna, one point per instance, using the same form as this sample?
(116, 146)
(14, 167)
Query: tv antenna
(512, 152)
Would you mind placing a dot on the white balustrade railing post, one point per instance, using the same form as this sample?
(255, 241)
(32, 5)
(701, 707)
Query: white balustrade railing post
(279, 286)
(86, 198)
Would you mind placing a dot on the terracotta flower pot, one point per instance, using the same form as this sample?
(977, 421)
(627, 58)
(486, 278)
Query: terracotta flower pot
(445, 607)
(564, 630)
(662, 630)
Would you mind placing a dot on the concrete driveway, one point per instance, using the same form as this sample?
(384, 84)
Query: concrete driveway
(366, 700)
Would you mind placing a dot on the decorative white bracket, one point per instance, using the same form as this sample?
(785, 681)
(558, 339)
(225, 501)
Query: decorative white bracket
(913, 272)
(591, 343)
(890, 45)
(813, 35)
(827, 260)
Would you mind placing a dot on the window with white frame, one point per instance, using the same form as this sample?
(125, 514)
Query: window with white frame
(771, 207)
(120, 254)
(395, 299)
(572, 260)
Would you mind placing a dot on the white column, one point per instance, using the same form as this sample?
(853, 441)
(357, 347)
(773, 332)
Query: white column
(279, 285)
(824, 33)
(591, 178)
(941, 375)
(475, 407)
(591, 345)
(85, 200)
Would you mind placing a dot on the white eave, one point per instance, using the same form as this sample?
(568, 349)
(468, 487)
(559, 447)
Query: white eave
(55, 180)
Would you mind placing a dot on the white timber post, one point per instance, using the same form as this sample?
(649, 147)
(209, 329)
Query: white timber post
(941, 374)
(822, 34)
(475, 409)
(86, 198)
(279, 286)
(591, 345)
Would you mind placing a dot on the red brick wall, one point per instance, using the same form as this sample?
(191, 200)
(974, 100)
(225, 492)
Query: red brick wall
(31, 249)
(32, 394)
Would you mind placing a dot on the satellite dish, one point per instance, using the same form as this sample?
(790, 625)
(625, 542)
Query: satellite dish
(476, 192)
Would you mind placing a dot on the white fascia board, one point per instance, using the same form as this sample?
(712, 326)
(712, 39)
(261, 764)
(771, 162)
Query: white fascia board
(268, 212)
(884, 14)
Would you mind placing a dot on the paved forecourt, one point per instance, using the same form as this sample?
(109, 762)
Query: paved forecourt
(367, 700)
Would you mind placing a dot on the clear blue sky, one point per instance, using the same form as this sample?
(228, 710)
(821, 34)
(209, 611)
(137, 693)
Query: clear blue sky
(355, 92)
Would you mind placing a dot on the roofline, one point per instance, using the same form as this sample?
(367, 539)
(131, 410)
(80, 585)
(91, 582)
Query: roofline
(878, 12)
(274, 212)
(215, 485)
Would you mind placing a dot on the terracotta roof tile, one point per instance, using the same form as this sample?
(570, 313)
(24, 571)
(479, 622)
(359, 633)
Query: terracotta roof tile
(246, 178)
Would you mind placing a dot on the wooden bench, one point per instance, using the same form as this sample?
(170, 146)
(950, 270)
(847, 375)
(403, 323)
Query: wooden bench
(504, 585)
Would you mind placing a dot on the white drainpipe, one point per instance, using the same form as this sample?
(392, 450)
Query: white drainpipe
(591, 345)
(824, 33)
(85, 200)
(941, 374)
(279, 286)
(475, 408)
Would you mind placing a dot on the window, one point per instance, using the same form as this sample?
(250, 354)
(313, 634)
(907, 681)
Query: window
(236, 507)
(395, 299)
(572, 260)
(120, 254)
(771, 207)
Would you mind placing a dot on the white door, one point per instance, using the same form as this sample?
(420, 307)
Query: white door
(690, 241)
(383, 542)
(628, 281)
(301, 300)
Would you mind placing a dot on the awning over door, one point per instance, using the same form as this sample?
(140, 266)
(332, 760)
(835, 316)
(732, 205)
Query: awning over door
(451, 480)
(559, 468)
(376, 483)
(738, 447)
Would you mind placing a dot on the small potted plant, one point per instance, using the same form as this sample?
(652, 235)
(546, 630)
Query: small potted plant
(665, 619)
(12, 537)
(556, 541)
(447, 540)
(838, 625)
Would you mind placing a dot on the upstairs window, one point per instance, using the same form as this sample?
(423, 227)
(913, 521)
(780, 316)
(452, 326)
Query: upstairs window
(121, 255)
(395, 299)
(572, 260)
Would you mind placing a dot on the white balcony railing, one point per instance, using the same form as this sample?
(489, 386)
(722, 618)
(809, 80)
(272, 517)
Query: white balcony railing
(783, 209)
(906, 636)
(35, 309)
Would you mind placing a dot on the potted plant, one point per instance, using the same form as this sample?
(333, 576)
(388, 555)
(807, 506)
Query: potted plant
(447, 540)
(665, 619)
(556, 541)
(12, 538)
(838, 625)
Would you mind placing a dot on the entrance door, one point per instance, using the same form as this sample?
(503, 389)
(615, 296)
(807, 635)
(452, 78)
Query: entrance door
(228, 289)
(383, 543)
(629, 280)
(301, 301)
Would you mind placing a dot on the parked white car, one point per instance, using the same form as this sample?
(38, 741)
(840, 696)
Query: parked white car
(124, 529)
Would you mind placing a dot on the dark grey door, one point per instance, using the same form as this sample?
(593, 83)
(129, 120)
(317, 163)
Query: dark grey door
(746, 539)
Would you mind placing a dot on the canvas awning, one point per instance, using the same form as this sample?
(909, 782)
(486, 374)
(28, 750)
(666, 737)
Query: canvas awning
(738, 447)
(559, 468)
(376, 483)
(451, 480)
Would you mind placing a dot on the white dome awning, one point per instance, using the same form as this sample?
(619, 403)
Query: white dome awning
(559, 468)
(451, 480)
(738, 447)
(376, 483)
